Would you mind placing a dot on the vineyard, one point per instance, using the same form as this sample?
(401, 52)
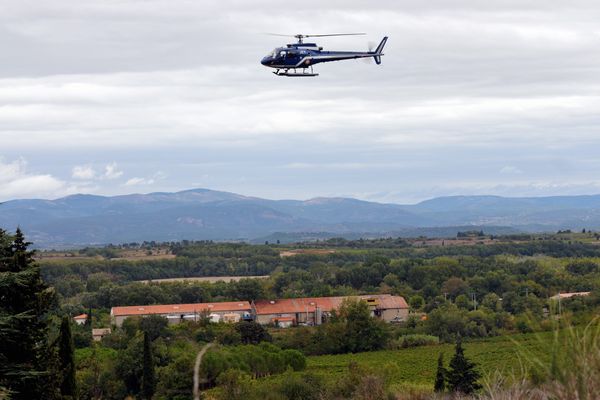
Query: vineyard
(415, 367)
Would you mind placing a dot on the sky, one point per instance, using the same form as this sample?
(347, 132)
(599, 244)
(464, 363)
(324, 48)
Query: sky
(135, 96)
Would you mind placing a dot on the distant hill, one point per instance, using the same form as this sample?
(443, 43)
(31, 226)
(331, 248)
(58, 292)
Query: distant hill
(80, 220)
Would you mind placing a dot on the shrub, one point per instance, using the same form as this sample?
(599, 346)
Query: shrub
(415, 340)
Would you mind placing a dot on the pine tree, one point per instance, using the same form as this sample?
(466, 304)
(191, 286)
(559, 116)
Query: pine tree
(148, 378)
(68, 388)
(27, 358)
(440, 375)
(462, 376)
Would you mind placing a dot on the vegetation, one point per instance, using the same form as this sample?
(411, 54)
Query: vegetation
(492, 294)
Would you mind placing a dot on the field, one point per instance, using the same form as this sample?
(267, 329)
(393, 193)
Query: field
(211, 279)
(416, 367)
(290, 253)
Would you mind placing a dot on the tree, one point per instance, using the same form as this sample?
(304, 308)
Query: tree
(462, 376)
(416, 302)
(355, 330)
(148, 373)
(440, 375)
(154, 325)
(252, 332)
(27, 360)
(68, 388)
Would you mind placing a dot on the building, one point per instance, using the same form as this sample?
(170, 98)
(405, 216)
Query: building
(231, 311)
(316, 310)
(98, 334)
(80, 319)
(563, 296)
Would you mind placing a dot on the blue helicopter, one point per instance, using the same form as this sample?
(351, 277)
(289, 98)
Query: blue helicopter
(302, 56)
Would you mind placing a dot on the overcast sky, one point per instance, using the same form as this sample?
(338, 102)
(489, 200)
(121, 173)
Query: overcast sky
(472, 97)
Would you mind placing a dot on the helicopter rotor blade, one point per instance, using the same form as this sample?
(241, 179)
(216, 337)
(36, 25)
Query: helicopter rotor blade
(336, 34)
(279, 34)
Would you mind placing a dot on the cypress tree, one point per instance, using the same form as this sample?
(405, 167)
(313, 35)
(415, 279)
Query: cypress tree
(462, 376)
(148, 378)
(440, 375)
(88, 320)
(27, 359)
(68, 388)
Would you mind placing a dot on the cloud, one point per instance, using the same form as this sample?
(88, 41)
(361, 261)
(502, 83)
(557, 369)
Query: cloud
(465, 93)
(84, 172)
(111, 171)
(17, 182)
(139, 181)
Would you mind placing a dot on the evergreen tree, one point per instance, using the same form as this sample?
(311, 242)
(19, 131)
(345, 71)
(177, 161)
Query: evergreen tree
(27, 359)
(440, 375)
(462, 376)
(148, 377)
(68, 388)
(88, 319)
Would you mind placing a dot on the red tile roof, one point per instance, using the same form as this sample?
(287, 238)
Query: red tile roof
(327, 304)
(81, 316)
(226, 306)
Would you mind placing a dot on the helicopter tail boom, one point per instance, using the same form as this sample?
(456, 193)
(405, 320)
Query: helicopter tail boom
(378, 51)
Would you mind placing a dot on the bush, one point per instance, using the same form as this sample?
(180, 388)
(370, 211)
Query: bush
(415, 340)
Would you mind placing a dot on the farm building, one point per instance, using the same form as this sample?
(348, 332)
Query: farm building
(98, 334)
(563, 296)
(316, 310)
(80, 319)
(231, 311)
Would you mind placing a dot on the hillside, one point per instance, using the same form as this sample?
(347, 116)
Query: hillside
(206, 214)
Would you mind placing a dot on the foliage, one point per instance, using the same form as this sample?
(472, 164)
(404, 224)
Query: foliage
(148, 373)
(68, 388)
(27, 358)
(440, 375)
(462, 376)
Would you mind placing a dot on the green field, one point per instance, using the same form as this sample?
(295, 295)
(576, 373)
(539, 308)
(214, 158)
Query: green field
(416, 367)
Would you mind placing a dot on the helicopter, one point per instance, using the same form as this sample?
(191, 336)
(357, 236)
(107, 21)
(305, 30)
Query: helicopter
(302, 56)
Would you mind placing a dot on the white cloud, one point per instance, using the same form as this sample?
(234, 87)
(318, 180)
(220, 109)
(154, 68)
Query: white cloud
(84, 172)
(139, 181)
(17, 182)
(111, 171)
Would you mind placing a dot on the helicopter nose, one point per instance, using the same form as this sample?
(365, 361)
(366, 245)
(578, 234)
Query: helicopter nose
(265, 61)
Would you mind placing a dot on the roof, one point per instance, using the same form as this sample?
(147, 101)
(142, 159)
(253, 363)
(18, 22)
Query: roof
(100, 331)
(225, 306)
(80, 316)
(327, 304)
(568, 295)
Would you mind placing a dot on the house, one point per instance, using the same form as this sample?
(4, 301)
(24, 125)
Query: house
(563, 296)
(231, 311)
(80, 319)
(316, 310)
(98, 334)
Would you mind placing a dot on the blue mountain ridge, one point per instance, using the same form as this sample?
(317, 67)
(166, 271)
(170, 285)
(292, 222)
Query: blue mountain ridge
(82, 219)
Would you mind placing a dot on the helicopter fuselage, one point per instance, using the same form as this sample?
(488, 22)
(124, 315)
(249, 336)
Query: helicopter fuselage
(305, 55)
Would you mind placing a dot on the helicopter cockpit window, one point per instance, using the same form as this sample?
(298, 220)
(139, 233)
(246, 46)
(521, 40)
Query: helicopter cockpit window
(273, 53)
(282, 53)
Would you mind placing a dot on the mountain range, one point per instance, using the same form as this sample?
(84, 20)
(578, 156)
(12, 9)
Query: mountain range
(81, 220)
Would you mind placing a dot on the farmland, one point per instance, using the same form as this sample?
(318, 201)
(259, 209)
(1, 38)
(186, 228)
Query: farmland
(415, 367)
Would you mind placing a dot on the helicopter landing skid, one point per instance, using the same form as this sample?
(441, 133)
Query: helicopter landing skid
(286, 72)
